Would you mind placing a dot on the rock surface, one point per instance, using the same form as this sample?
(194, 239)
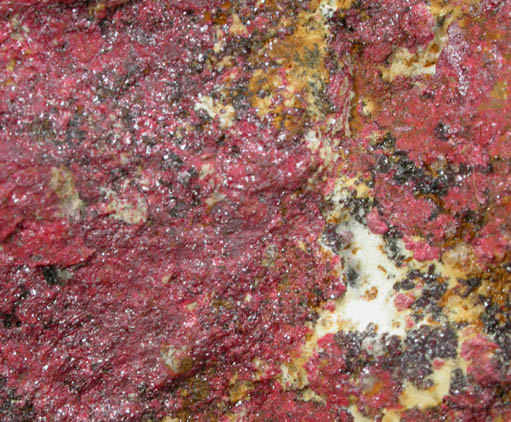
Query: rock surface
(255, 210)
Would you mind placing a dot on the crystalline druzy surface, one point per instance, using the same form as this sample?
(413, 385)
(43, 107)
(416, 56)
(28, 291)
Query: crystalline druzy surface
(255, 210)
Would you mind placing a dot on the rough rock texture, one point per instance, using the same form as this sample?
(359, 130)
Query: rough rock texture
(255, 211)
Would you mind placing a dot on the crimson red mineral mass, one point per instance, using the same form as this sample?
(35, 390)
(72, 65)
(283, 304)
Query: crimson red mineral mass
(255, 210)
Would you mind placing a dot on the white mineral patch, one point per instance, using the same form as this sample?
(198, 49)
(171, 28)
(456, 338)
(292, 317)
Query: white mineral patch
(175, 359)
(370, 300)
(131, 211)
(215, 110)
(423, 62)
(62, 182)
(327, 8)
(313, 142)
